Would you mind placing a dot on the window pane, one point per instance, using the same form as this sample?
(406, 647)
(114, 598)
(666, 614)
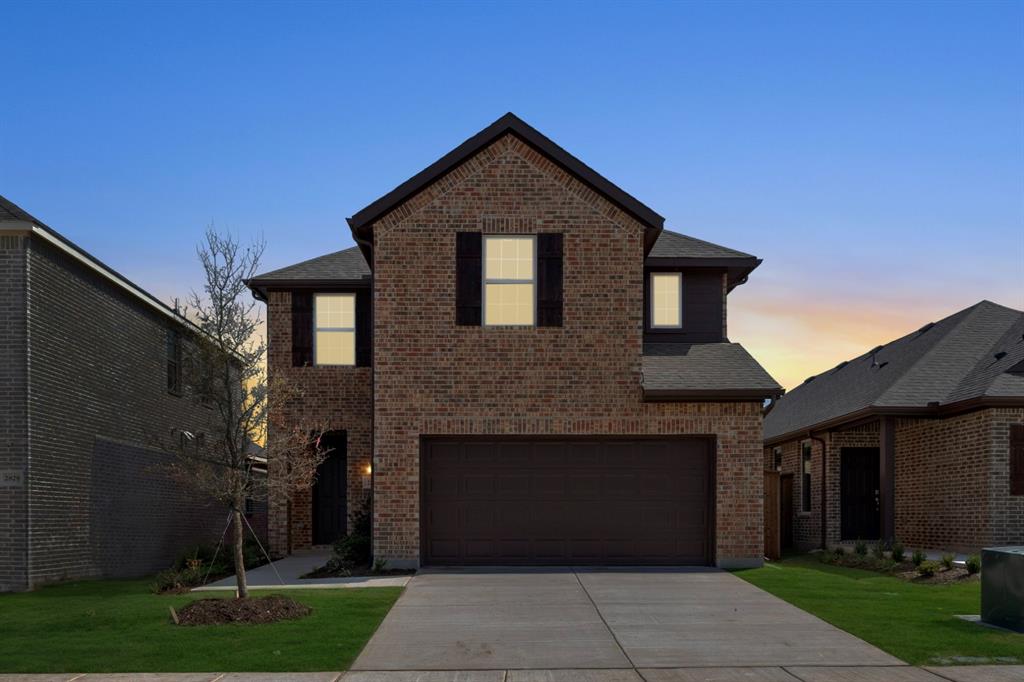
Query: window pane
(509, 258)
(666, 310)
(336, 310)
(508, 304)
(335, 348)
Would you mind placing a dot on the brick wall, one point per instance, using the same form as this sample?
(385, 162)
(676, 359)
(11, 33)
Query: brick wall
(99, 504)
(339, 397)
(1006, 511)
(433, 377)
(13, 414)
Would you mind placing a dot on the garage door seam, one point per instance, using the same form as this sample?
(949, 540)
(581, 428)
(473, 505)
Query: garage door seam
(601, 616)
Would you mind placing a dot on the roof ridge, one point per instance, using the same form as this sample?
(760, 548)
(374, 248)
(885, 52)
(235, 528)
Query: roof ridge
(968, 314)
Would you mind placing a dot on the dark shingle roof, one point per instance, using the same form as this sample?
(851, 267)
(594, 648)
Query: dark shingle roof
(675, 245)
(681, 370)
(11, 211)
(345, 265)
(946, 362)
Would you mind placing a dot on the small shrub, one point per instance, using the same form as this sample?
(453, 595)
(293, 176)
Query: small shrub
(897, 553)
(973, 564)
(878, 550)
(885, 565)
(947, 561)
(379, 565)
(927, 569)
(861, 548)
(917, 558)
(839, 551)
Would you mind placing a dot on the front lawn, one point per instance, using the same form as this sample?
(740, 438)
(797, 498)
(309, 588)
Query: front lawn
(916, 623)
(120, 626)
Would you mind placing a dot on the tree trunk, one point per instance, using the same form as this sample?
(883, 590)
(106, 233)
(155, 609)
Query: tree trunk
(243, 587)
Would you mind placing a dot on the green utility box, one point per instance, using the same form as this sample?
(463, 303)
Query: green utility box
(1002, 587)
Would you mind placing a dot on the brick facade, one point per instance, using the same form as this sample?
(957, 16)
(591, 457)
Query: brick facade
(432, 377)
(952, 481)
(92, 388)
(339, 397)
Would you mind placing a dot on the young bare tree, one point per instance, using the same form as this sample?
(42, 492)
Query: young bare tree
(224, 369)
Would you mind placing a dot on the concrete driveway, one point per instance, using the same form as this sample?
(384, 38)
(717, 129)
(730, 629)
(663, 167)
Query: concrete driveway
(601, 619)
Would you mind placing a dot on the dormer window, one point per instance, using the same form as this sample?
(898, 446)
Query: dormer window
(334, 337)
(666, 300)
(509, 281)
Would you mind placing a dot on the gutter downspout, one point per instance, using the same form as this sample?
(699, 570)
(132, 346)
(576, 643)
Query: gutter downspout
(824, 489)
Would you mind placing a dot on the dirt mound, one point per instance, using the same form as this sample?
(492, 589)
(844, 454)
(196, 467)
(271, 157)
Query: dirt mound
(253, 610)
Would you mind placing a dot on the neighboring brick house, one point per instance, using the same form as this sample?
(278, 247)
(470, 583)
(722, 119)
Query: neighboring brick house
(525, 369)
(921, 440)
(89, 381)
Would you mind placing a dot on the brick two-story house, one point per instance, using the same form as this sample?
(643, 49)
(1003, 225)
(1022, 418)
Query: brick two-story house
(90, 388)
(523, 367)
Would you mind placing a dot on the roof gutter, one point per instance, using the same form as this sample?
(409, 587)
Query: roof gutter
(710, 395)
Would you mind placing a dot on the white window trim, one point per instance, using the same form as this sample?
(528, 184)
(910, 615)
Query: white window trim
(484, 281)
(316, 298)
(650, 288)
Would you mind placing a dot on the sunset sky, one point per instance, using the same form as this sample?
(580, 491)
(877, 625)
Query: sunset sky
(871, 153)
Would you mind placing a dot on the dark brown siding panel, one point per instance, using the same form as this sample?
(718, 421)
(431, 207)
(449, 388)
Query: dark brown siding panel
(549, 280)
(1017, 459)
(565, 502)
(302, 328)
(468, 278)
(703, 307)
(364, 329)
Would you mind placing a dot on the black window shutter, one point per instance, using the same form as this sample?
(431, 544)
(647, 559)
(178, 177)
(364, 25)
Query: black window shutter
(468, 276)
(549, 280)
(1017, 459)
(302, 328)
(364, 329)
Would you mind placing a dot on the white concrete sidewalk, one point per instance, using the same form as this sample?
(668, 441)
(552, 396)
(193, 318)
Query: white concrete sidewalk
(290, 568)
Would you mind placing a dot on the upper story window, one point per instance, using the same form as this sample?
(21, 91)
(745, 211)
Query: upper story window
(173, 362)
(509, 277)
(666, 300)
(334, 331)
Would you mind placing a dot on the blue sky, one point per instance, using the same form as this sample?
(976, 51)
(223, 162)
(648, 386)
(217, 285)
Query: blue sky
(871, 153)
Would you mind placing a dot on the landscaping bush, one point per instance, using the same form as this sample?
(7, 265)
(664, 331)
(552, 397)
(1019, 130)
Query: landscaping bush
(897, 553)
(861, 548)
(193, 566)
(947, 561)
(927, 569)
(917, 557)
(839, 551)
(973, 564)
(878, 550)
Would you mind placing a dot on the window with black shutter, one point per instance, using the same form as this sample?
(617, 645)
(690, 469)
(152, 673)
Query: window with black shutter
(302, 328)
(173, 362)
(1017, 459)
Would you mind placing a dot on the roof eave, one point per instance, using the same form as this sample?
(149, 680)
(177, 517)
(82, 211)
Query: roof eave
(934, 411)
(738, 269)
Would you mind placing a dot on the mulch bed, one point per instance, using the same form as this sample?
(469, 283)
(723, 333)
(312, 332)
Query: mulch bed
(251, 611)
(905, 570)
(942, 576)
(327, 571)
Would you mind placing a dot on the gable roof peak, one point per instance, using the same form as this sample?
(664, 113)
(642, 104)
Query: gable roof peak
(361, 223)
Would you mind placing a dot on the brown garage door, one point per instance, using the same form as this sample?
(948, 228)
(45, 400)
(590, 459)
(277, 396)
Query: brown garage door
(511, 502)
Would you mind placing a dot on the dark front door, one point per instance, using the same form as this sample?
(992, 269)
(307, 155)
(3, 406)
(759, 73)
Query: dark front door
(786, 500)
(563, 502)
(329, 491)
(859, 488)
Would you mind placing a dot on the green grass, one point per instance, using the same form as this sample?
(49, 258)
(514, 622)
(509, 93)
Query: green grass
(916, 623)
(120, 626)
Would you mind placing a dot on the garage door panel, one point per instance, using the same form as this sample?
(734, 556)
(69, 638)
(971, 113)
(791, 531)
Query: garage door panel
(615, 501)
